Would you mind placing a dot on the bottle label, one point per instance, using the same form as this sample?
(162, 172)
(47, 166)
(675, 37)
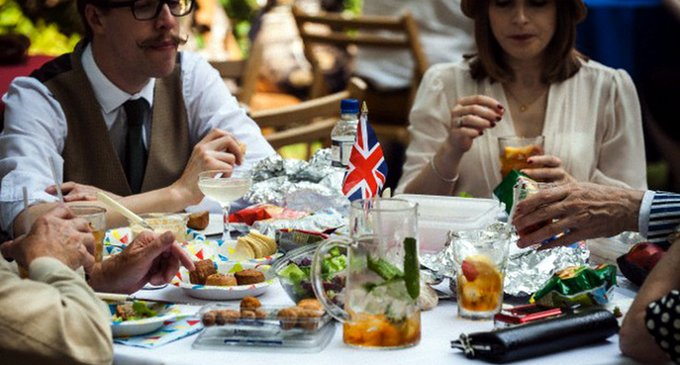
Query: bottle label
(341, 149)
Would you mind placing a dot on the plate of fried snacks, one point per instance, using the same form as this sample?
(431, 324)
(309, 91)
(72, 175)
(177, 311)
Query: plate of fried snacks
(137, 317)
(224, 280)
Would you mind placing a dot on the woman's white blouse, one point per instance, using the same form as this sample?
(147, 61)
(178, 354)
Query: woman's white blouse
(593, 124)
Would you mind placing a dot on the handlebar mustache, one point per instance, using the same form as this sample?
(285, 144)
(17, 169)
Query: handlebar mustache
(177, 40)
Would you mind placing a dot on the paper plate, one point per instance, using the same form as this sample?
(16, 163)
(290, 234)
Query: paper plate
(210, 292)
(215, 225)
(222, 251)
(197, 247)
(142, 326)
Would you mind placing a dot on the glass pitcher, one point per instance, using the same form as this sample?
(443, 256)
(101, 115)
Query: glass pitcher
(383, 283)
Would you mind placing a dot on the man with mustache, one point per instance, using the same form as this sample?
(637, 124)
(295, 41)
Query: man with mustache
(125, 113)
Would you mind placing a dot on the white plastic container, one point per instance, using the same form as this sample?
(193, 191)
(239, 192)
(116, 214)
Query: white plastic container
(437, 215)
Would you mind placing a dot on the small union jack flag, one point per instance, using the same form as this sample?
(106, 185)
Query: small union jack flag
(367, 170)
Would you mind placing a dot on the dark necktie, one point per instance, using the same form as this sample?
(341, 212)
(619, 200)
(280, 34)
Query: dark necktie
(135, 153)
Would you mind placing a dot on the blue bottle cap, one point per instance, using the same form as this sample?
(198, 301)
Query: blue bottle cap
(349, 106)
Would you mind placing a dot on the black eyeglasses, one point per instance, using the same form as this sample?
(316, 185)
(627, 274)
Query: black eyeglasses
(149, 9)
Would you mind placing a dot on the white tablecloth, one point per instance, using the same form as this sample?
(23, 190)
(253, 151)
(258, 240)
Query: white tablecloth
(439, 327)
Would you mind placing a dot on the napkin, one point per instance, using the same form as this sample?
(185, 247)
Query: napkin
(184, 324)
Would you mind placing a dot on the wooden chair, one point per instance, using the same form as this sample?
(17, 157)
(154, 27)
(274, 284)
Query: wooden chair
(390, 110)
(309, 121)
(367, 31)
(243, 71)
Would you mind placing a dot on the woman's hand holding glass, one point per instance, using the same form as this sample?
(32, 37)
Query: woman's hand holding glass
(548, 168)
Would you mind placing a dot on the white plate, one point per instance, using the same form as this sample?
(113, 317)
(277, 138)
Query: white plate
(141, 326)
(215, 225)
(221, 251)
(210, 292)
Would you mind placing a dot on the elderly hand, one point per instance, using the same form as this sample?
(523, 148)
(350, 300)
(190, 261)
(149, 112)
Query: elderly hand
(585, 210)
(78, 192)
(547, 168)
(148, 259)
(56, 234)
(470, 117)
(218, 150)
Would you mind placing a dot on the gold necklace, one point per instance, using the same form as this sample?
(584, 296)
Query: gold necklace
(525, 106)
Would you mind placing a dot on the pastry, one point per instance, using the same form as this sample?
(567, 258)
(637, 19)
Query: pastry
(199, 220)
(204, 268)
(249, 276)
(221, 280)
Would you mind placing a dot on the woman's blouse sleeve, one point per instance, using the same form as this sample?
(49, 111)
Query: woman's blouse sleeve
(621, 156)
(429, 120)
(662, 320)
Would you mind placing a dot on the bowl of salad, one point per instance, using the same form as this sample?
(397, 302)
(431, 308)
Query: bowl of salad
(293, 271)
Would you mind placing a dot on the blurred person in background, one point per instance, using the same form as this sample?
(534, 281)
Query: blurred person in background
(125, 113)
(446, 34)
(525, 80)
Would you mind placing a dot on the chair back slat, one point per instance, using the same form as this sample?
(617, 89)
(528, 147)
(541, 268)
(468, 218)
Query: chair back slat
(309, 121)
(385, 32)
(244, 72)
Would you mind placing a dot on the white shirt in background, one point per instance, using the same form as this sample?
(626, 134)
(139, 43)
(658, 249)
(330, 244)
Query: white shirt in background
(445, 34)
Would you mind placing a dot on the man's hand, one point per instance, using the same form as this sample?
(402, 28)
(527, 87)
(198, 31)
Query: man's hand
(148, 259)
(218, 150)
(585, 210)
(58, 234)
(78, 192)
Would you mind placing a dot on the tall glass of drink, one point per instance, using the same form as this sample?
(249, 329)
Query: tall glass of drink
(96, 217)
(224, 187)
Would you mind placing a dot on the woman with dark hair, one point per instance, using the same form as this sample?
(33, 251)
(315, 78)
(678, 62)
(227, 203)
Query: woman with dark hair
(526, 79)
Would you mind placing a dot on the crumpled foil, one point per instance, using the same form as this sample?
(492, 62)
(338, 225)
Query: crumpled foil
(526, 271)
(630, 238)
(299, 185)
(317, 222)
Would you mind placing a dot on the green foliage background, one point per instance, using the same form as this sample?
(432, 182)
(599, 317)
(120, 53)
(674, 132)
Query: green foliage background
(54, 28)
(46, 37)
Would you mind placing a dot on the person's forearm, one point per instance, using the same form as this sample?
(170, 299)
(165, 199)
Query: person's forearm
(24, 220)
(631, 199)
(168, 199)
(429, 181)
(635, 339)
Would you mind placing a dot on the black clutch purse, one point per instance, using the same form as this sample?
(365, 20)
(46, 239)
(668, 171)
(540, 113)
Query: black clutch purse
(540, 337)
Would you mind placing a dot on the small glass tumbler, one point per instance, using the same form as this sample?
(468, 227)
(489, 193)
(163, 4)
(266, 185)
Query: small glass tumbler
(480, 257)
(96, 217)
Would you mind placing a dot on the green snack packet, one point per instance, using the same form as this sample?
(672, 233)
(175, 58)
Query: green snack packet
(578, 285)
(504, 190)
